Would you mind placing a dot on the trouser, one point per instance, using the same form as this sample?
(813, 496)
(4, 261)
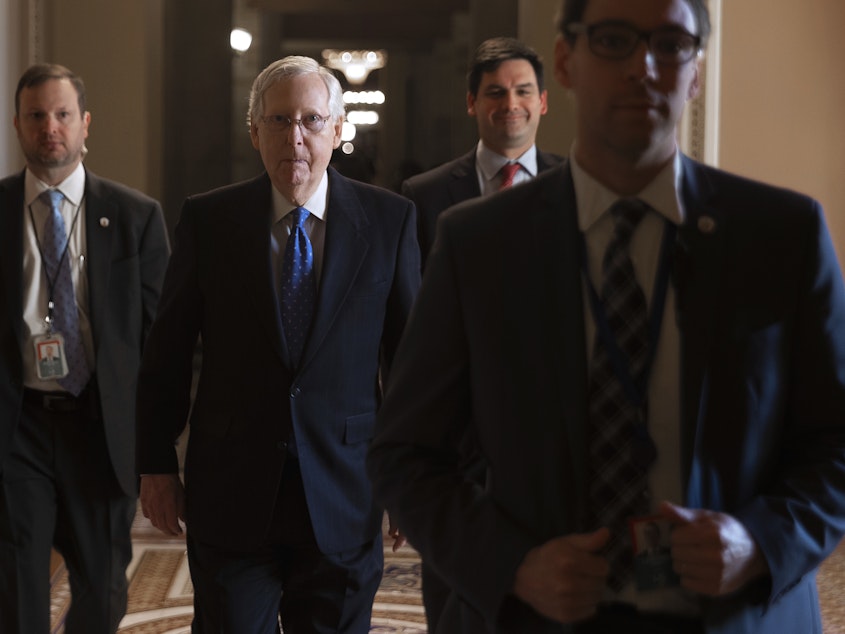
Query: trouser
(287, 581)
(59, 490)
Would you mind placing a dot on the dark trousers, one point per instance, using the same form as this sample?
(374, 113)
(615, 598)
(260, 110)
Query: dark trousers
(58, 490)
(435, 594)
(287, 581)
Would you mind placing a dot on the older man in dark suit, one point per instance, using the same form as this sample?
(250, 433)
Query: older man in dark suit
(299, 283)
(81, 265)
(632, 337)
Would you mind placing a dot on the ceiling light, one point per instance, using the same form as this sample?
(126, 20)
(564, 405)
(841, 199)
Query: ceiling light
(240, 40)
(355, 65)
(362, 117)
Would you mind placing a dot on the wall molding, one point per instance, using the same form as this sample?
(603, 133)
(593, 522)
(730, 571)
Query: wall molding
(699, 133)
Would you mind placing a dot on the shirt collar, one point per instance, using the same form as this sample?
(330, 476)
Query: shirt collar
(316, 205)
(490, 162)
(662, 194)
(72, 188)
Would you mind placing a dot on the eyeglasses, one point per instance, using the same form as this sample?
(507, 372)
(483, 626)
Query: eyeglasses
(614, 39)
(313, 123)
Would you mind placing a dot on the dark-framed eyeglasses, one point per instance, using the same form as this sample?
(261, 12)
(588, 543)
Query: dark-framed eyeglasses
(615, 39)
(313, 123)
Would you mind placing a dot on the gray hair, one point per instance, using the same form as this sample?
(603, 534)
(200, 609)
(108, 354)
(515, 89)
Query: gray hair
(293, 66)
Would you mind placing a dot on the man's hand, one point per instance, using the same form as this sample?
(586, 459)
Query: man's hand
(163, 501)
(564, 578)
(393, 531)
(713, 553)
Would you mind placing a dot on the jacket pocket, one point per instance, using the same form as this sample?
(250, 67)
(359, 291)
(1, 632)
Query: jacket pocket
(359, 428)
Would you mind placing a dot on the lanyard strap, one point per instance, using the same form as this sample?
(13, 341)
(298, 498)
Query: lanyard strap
(635, 387)
(51, 284)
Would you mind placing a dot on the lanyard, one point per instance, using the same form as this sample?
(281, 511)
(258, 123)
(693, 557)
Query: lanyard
(51, 284)
(635, 387)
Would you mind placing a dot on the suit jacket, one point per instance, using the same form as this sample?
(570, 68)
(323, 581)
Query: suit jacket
(126, 260)
(446, 185)
(500, 323)
(219, 285)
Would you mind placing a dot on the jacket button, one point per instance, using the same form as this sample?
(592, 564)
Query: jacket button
(281, 445)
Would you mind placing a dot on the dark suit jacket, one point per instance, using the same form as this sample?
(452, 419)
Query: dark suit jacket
(496, 341)
(442, 187)
(220, 285)
(125, 265)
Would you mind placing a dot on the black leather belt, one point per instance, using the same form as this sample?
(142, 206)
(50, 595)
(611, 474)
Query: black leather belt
(625, 619)
(61, 402)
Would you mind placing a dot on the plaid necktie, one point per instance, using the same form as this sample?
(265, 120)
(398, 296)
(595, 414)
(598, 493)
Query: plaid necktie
(619, 464)
(299, 287)
(65, 315)
(508, 172)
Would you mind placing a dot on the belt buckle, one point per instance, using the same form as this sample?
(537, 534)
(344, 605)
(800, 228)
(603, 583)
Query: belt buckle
(57, 403)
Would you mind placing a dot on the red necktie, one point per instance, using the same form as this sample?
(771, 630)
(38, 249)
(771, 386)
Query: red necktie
(508, 172)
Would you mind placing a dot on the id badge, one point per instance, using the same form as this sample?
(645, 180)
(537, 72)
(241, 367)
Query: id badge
(50, 362)
(652, 554)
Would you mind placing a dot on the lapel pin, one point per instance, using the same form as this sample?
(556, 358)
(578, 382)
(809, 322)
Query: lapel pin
(104, 222)
(706, 224)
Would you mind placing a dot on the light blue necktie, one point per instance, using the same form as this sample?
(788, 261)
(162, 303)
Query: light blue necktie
(298, 287)
(65, 315)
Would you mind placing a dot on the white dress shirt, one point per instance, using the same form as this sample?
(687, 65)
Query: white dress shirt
(664, 414)
(35, 285)
(315, 227)
(488, 165)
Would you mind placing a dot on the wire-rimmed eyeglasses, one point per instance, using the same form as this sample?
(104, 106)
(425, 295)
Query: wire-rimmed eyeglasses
(614, 39)
(309, 123)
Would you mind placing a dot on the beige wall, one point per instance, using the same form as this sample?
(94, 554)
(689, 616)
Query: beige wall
(116, 48)
(783, 90)
(12, 24)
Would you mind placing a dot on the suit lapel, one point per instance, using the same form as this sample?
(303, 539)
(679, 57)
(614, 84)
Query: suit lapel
(464, 183)
(248, 234)
(698, 274)
(545, 161)
(100, 226)
(344, 251)
(11, 255)
(557, 241)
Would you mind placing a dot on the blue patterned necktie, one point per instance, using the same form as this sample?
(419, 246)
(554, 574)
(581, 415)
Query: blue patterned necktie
(619, 464)
(65, 315)
(299, 286)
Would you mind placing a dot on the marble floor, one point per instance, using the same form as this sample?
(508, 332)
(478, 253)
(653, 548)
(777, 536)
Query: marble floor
(160, 590)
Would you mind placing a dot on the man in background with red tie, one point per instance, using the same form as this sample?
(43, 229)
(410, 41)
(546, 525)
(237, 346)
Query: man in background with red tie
(505, 95)
(507, 98)
(82, 260)
(633, 337)
(299, 282)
